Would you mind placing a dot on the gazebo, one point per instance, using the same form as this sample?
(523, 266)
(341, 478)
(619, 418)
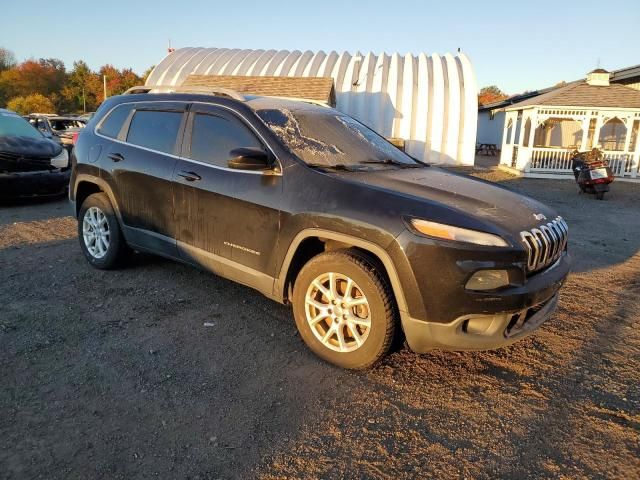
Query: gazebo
(541, 133)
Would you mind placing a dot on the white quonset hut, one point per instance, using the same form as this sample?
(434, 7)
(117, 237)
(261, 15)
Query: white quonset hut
(428, 101)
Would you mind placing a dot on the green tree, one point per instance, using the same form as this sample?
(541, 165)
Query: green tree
(7, 59)
(36, 102)
(80, 88)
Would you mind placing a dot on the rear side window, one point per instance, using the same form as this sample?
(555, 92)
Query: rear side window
(155, 129)
(213, 137)
(110, 126)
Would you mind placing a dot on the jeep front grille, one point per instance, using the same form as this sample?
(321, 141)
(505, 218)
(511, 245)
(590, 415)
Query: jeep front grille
(545, 244)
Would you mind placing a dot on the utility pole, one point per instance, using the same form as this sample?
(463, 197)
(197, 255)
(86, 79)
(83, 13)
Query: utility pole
(104, 84)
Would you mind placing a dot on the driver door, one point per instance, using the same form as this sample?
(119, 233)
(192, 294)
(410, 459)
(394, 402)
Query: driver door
(227, 219)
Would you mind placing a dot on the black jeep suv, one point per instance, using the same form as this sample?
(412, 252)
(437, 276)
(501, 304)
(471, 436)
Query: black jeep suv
(312, 208)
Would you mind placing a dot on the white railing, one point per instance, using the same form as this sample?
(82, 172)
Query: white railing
(620, 163)
(558, 160)
(551, 159)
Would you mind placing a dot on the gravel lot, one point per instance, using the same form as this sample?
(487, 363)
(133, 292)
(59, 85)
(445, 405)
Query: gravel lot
(115, 375)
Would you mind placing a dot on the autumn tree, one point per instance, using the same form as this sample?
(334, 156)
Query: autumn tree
(491, 94)
(71, 91)
(33, 103)
(45, 76)
(147, 72)
(118, 81)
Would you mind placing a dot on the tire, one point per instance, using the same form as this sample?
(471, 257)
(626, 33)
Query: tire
(113, 251)
(329, 331)
(600, 195)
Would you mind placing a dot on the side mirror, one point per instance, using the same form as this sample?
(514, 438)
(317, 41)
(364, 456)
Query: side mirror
(249, 158)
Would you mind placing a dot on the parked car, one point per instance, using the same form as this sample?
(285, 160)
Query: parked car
(57, 126)
(30, 163)
(314, 209)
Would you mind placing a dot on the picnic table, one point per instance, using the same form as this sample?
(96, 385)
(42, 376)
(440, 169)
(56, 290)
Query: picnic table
(487, 149)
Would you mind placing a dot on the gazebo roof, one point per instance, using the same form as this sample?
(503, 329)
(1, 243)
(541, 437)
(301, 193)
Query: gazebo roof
(581, 94)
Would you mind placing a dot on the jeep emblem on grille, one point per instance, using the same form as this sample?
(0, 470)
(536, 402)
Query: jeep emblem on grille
(539, 216)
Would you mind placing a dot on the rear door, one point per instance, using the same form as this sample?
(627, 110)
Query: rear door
(141, 162)
(228, 220)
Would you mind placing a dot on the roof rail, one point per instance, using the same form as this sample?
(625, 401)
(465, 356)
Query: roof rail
(218, 91)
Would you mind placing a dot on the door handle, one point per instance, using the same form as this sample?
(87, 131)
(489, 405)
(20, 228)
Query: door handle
(189, 176)
(116, 157)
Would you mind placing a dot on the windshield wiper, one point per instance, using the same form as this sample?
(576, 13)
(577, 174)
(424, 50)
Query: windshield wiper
(338, 166)
(391, 161)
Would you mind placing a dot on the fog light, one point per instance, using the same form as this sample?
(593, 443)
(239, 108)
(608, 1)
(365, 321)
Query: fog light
(488, 280)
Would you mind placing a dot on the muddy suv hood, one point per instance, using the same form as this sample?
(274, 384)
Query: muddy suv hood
(476, 198)
(20, 154)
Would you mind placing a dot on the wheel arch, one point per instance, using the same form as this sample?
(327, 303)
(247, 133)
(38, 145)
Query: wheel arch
(311, 238)
(86, 185)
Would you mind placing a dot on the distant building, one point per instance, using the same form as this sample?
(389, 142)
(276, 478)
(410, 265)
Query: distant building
(429, 102)
(541, 132)
(491, 117)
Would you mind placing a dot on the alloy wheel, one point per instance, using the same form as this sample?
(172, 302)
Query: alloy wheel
(95, 232)
(338, 312)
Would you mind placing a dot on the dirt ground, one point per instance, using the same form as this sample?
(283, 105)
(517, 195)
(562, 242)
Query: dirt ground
(115, 374)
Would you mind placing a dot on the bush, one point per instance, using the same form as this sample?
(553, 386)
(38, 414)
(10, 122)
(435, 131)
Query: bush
(34, 103)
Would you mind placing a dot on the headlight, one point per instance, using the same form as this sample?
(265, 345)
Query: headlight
(448, 232)
(62, 160)
(488, 280)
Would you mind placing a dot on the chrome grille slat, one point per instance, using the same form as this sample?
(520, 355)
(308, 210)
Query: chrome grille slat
(545, 243)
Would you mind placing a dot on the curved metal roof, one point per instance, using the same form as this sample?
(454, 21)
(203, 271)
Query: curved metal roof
(430, 101)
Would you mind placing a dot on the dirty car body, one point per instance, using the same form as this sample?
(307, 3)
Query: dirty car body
(472, 265)
(30, 163)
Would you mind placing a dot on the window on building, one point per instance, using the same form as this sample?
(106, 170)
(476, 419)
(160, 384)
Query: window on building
(509, 131)
(154, 129)
(213, 137)
(613, 135)
(559, 133)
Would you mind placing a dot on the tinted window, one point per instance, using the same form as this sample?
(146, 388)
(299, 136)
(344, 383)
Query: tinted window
(214, 137)
(155, 129)
(111, 125)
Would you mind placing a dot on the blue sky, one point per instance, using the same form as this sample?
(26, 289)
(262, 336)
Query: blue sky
(515, 45)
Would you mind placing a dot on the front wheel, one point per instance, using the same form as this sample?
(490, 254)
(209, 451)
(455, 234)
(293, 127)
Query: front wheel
(99, 232)
(344, 309)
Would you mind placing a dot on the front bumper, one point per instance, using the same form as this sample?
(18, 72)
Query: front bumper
(28, 184)
(478, 332)
(458, 319)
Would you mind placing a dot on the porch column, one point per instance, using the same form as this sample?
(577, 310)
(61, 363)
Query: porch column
(533, 118)
(505, 150)
(635, 163)
(596, 132)
(586, 121)
(523, 158)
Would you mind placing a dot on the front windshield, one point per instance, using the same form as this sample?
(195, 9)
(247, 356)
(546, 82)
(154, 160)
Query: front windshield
(327, 138)
(12, 125)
